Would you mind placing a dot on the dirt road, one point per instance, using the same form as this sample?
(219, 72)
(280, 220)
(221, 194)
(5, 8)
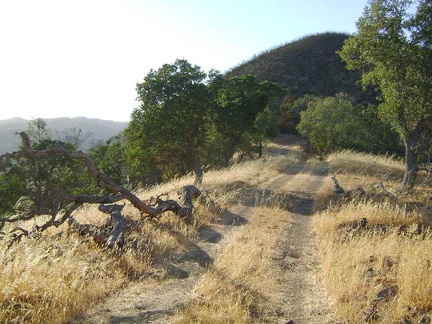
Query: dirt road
(302, 300)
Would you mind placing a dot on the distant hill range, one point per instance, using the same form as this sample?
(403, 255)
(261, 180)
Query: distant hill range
(100, 130)
(308, 65)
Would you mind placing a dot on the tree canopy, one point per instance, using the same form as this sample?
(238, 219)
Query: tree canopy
(185, 118)
(170, 125)
(240, 109)
(334, 123)
(40, 183)
(393, 49)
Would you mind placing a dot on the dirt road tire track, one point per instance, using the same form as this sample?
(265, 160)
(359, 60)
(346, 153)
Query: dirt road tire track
(157, 302)
(301, 298)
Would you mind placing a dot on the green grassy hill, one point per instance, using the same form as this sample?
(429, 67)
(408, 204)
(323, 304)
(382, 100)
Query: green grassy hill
(308, 65)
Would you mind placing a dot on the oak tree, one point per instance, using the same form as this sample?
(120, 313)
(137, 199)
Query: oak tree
(393, 48)
(168, 128)
(334, 123)
(241, 110)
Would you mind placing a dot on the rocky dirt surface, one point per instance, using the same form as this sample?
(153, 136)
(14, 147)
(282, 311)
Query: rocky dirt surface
(302, 298)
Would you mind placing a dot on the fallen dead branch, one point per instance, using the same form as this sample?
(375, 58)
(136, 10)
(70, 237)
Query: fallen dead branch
(59, 215)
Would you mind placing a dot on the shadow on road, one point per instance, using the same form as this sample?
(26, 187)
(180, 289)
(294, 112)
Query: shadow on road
(209, 235)
(228, 218)
(142, 317)
(195, 254)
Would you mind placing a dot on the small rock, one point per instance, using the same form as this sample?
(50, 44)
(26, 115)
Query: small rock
(387, 292)
(363, 222)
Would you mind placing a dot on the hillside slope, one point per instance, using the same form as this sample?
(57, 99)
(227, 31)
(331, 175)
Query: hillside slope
(308, 65)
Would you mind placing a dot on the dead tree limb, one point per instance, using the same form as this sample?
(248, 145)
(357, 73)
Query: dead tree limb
(118, 225)
(338, 189)
(27, 152)
(99, 233)
(189, 193)
(116, 236)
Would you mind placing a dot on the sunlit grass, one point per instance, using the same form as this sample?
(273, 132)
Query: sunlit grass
(236, 287)
(59, 276)
(360, 264)
(50, 281)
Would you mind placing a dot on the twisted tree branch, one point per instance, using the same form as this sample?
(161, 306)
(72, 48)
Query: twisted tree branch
(116, 237)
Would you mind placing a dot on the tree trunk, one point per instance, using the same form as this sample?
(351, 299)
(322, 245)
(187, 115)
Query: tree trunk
(229, 154)
(410, 162)
(196, 163)
(260, 149)
(119, 225)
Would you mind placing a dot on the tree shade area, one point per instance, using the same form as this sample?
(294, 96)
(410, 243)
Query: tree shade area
(393, 48)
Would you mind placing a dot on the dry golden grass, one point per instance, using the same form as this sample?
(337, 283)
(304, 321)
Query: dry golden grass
(367, 165)
(58, 277)
(252, 172)
(360, 264)
(49, 281)
(367, 171)
(235, 288)
(354, 169)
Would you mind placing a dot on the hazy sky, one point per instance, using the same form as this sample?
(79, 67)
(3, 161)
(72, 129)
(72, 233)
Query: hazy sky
(75, 58)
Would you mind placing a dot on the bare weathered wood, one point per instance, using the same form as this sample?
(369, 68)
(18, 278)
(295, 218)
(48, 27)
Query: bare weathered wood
(27, 152)
(116, 237)
(338, 189)
(189, 193)
(97, 232)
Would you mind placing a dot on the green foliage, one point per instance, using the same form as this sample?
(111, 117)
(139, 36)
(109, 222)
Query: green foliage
(394, 50)
(396, 63)
(49, 178)
(334, 123)
(186, 120)
(290, 110)
(12, 185)
(244, 112)
(168, 129)
(110, 159)
(42, 182)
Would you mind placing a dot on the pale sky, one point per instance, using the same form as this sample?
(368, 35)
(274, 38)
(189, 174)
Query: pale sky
(77, 58)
